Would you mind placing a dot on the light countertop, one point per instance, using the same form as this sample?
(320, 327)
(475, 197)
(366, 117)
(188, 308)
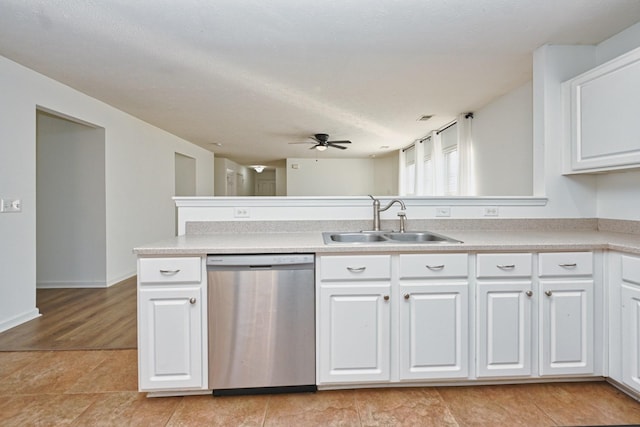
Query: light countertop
(472, 241)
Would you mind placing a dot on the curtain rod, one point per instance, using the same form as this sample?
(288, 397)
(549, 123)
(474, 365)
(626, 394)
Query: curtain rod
(438, 132)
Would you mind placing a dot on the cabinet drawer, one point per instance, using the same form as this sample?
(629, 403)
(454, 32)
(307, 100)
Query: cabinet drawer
(369, 267)
(631, 269)
(565, 264)
(414, 266)
(169, 270)
(504, 265)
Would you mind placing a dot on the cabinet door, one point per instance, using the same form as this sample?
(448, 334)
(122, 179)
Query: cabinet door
(504, 329)
(434, 331)
(169, 338)
(567, 334)
(354, 333)
(631, 336)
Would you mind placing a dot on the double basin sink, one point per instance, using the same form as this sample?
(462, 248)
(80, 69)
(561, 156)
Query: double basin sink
(386, 237)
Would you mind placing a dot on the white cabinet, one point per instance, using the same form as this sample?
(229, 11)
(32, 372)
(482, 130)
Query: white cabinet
(171, 324)
(566, 313)
(504, 315)
(434, 337)
(353, 318)
(630, 319)
(354, 333)
(504, 328)
(601, 111)
(434, 325)
(389, 318)
(566, 329)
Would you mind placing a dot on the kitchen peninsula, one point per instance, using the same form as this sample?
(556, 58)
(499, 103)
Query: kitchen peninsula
(518, 300)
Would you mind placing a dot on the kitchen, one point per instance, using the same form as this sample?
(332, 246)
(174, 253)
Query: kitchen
(136, 178)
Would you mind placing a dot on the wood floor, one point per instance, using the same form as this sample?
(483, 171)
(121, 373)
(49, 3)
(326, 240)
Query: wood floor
(79, 319)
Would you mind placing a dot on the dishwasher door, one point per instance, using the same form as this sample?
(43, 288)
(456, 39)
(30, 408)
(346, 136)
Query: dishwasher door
(261, 322)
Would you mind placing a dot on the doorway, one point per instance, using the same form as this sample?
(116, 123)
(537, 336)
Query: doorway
(71, 203)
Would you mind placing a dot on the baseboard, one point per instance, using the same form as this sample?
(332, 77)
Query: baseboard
(121, 279)
(70, 285)
(18, 320)
(82, 285)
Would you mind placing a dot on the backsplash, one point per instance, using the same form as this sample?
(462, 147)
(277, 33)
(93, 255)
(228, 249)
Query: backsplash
(505, 224)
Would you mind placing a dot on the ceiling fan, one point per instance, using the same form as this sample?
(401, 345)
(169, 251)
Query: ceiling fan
(321, 141)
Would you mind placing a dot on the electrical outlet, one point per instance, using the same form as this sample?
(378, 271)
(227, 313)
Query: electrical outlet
(443, 211)
(491, 211)
(241, 213)
(10, 205)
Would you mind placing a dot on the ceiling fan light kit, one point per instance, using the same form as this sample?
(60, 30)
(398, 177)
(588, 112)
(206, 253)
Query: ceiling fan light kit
(321, 141)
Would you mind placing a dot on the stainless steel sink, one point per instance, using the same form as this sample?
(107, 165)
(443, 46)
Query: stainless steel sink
(354, 237)
(420, 237)
(415, 237)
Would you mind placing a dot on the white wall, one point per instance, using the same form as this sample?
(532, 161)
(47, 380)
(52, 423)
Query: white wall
(386, 178)
(71, 211)
(139, 181)
(325, 177)
(503, 145)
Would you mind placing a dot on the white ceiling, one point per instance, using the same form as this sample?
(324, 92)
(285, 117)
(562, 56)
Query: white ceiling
(256, 75)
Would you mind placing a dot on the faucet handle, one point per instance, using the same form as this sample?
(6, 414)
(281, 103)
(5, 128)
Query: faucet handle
(372, 198)
(403, 217)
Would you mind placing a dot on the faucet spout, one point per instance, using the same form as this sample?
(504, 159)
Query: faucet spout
(377, 209)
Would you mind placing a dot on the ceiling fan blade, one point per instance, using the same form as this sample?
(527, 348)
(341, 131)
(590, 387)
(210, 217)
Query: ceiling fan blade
(339, 142)
(303, 142)
(314, 147)
(336, 146)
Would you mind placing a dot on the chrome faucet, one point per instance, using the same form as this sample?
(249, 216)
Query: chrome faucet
(377, 209)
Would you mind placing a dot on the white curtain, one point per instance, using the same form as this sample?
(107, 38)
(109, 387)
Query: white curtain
(466, 177)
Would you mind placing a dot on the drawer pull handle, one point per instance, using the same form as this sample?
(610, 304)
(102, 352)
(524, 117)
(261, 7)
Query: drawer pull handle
(435, 267)
(571, 265)
(170, 272)
(548, 293)
(529, 294)
(356, 269)
(506, 266)
(192, 300)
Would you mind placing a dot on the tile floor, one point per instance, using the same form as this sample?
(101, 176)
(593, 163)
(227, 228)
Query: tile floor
(98, 388)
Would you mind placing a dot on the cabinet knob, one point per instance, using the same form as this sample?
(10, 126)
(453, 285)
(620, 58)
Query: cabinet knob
(192, 300)
(529, 294)
(548, 293)
(386, 297)
(407, 296)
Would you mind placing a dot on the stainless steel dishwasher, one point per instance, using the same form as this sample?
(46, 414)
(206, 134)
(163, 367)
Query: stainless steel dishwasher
(261, 323)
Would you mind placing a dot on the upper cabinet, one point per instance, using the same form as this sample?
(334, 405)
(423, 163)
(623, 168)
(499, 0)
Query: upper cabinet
(602, 107)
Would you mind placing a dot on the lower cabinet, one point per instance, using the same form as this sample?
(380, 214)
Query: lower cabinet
(567, 327)
(504, 322)
(630, 321)
(376, 326)
(434, 331)
(171, 324)
(354, 333)
(171, 348)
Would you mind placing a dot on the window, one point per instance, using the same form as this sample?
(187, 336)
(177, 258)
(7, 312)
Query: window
(451, 167)
(437, 166)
